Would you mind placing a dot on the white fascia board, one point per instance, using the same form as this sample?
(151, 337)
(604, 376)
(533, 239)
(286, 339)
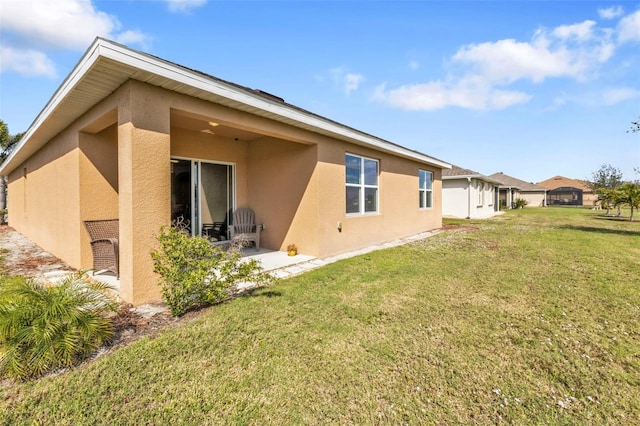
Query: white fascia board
(479, 177)
(190, 78)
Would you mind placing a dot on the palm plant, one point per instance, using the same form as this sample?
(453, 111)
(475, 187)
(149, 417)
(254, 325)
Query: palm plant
(45, 326)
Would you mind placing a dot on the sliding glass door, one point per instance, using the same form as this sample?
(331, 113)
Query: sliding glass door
(202, 196)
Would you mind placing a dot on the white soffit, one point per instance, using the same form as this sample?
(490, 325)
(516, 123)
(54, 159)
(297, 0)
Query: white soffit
(107, 65)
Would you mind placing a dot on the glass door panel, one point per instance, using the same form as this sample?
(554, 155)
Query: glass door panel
(216, 199)
(203, 194)
(181, 193)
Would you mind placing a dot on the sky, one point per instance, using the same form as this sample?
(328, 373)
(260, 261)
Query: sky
(533, 89)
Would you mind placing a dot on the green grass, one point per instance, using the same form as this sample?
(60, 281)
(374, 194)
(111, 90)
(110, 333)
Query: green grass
(533, 318)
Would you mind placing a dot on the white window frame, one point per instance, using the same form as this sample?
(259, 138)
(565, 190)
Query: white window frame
(362, 186)
(428, 189)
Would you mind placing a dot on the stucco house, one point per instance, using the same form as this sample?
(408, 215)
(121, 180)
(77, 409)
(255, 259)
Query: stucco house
(132, 136)
(468, 194)
(563, 191)
(513, 188)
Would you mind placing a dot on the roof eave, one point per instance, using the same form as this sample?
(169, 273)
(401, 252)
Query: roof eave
(477, 176)
(204, 84)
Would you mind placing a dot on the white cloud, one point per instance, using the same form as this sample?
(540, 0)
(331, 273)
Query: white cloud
(611, 12)
(621, 94)
(480, 74)
(469, 94)
(414, 65)
(352, 82)
(37, 26)
(566, 51)
(582, 31)
(629, 28)
(500, 99)
(184, 5)
(348, 81)
(136, 37)
(559, 101)
(509, 60)
(26, 62)
(66, 24)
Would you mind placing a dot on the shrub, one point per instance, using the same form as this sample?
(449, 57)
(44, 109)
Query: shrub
(192, 271)
(3, 216)
(46, 326)
(520, 203)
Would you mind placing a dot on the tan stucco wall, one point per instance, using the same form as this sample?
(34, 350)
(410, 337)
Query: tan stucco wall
(283, 190)
(589, 199)
(115, 162)
(44, 198)
(144, 187)
(71, 179)
(98, 165)
(399, 214)
(535, 199)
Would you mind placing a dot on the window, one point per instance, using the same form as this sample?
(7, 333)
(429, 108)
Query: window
(426, 189)
(491, 191)
(362, 184)
(480, 187)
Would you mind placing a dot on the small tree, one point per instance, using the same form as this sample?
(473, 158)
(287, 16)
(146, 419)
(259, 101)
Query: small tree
(7, 143)
(192, 271)
(607, 198)
(629, 194)
(607, 177)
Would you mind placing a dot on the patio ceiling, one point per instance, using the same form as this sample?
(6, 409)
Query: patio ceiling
(204, 125)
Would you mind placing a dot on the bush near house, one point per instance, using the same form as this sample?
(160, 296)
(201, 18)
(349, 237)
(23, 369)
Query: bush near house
(520, 203)
(193, 272)
(44, 327)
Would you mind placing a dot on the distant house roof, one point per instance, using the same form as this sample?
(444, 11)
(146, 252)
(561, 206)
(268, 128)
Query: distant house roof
(457, 172)
(107, 65)
(564, 182)
(511, 182)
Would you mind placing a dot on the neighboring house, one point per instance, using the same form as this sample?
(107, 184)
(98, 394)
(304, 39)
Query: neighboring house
(468, 194)
(562, 191)
(131, 136)
(514, 188)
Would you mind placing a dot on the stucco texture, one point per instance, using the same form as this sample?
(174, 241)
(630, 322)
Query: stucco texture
(115, 162)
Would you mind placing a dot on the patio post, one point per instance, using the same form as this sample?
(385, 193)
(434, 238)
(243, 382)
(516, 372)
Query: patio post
(144, 188)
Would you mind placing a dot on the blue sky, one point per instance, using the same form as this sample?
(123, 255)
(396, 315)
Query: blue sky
(531, 88)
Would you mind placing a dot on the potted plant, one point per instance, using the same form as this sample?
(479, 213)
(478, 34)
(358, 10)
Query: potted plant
(292, 250)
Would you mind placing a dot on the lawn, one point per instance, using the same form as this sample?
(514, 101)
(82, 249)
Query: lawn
(532, 317)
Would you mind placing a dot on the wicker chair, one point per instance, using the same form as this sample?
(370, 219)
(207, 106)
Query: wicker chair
(244, 227)
(104, 244)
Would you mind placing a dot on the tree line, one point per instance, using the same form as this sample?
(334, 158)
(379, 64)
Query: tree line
(613, 192)
(7, 143)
